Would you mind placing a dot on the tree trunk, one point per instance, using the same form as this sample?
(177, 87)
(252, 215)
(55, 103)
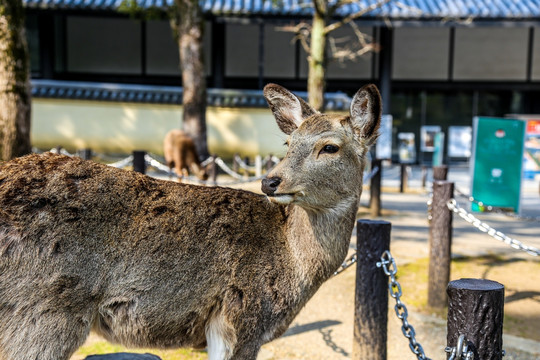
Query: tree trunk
(317, 62)
(14, 82)
(188, 26)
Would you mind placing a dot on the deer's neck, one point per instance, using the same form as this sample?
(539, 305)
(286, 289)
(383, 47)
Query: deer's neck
(319, 241)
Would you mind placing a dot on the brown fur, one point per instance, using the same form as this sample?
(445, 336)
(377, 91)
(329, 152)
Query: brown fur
(181, 154)
(150, 263)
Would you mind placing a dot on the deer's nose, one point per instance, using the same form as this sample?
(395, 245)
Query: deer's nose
(270, 185)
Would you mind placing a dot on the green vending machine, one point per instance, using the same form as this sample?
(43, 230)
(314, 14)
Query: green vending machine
(497, 162)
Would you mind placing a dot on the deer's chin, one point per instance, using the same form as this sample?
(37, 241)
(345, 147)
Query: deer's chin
(282, 199)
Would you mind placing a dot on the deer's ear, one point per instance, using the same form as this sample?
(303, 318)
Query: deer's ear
(366, 111)
(288, 109)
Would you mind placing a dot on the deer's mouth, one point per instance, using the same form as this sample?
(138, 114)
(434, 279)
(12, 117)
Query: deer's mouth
(282, 199)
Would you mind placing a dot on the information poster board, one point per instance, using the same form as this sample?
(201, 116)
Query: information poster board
(497, 162)
(427, 137)
(531, 157)
(383, 149)
(407, 148)
(459, 141)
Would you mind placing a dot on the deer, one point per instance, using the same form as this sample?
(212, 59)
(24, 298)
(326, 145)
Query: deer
(181, 155)
(159, 264)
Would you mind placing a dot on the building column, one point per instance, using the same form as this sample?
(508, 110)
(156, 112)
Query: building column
(385, 66)
(218, 54)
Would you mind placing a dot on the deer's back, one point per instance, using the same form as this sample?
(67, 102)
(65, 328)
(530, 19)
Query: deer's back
(59, 204)
(69, 192)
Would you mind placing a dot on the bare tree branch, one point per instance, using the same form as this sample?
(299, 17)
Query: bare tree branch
(362, 46)
(302, 33)
(353, 16)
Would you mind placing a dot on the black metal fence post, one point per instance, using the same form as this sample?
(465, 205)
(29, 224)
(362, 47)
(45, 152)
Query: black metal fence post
(440, 244)
(139, 163)
(371, 294)
(213, 169)
(375, 189)
(85, 154)
(403, 178)
(475, 310)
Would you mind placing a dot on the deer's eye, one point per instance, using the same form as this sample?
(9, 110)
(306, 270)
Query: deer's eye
(329, 149)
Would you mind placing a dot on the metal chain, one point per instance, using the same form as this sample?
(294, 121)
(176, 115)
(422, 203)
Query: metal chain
(497, 235)
(460, 351)
(388, 264)
(490, 208)
(346, 264)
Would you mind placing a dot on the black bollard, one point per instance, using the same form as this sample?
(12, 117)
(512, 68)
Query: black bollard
(139, 163)
(403, 178)
(371, 294)
(85, 154)
(476, 310)
(213, 173)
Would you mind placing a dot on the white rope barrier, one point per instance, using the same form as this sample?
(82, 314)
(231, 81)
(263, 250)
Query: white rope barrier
(122, 163)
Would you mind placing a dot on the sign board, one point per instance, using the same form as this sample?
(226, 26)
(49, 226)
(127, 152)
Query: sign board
(383, 148)
(459, 141)
(427, 137)
(406, 148)
(531, 156)
(438, 149)
(497, 162)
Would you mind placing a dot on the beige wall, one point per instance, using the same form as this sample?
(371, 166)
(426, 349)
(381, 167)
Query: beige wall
(123, 127)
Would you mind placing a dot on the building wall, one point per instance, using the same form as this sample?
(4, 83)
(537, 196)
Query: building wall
(123, 127)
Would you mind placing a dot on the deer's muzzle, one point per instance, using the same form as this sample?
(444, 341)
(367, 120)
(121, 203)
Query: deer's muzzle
(270, 185)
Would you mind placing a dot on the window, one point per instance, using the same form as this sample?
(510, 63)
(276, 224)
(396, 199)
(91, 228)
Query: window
(32, 36)
(420, 53)
(103, 45)
(491, 54)
(241, 50)
(536, 55)
(279, 53)
(162, 56)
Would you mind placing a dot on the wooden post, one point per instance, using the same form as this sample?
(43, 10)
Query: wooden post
(214, 169)
(85, 154)
(246, 171)
(371, 294)
(235, 165)
(375, 189)
(440, 173)
(424, 176)
(139, 163)
(476, 309)
(440, 244)
(403, 178)
(269, 163)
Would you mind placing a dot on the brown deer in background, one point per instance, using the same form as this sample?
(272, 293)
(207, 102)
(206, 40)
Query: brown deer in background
(151, 263)
(181, 154)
